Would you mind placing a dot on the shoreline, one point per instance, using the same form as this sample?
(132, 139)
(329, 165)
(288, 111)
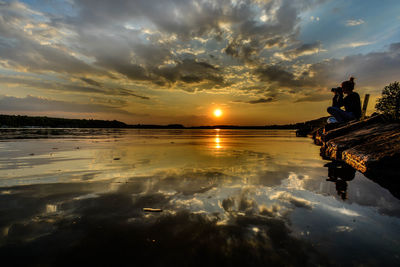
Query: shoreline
(29, 122)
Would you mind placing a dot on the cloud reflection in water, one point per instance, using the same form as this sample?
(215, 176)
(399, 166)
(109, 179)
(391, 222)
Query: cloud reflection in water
(250, 203)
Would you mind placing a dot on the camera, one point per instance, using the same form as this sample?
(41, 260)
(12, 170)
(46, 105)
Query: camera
(338, 90)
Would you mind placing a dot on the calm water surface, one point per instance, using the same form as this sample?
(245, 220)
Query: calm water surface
(228, 198)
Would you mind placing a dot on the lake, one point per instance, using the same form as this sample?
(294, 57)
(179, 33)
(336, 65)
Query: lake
(220, 198)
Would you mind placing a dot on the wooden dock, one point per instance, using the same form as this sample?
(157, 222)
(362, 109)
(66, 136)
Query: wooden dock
(370, 146)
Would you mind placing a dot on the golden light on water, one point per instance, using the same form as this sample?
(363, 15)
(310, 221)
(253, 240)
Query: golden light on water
(217, 139)
(217, 142)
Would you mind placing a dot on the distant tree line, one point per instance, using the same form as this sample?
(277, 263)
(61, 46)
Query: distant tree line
(17, 121)
(155, 126)
(28, 121)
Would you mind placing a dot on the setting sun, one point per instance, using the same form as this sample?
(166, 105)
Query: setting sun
(217, 113)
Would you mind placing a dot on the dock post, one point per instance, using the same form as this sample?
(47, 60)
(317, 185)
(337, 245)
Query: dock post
(365, 104)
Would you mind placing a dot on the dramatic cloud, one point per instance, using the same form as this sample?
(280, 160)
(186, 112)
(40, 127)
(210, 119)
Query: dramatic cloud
(303, 50)
(91, 82)
(314, 97)
(281, 77)
(22, 48)
(31, 103)
(261, 100)
(189, 71)
(257, 101)
(173, 51)
(372, 69)
(69, 87)
(355, 44)
(354, 22)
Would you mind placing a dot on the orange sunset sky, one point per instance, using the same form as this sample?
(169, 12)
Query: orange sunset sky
(159, 62)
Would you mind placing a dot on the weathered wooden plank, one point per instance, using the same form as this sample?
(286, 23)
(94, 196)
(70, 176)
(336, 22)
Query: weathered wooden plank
(351, 126)
(380, 151)
(372, 146)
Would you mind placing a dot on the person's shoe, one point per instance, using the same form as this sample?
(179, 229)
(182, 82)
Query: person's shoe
(331, 120)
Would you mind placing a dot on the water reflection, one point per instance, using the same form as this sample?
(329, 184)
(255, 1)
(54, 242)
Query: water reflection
(262, 197)
(217, 141)
(340, 174)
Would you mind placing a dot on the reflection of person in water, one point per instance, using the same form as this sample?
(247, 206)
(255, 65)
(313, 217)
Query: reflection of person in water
(351, 103)
(340, 174)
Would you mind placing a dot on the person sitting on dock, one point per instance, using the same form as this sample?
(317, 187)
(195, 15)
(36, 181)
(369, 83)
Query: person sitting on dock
(351, 103)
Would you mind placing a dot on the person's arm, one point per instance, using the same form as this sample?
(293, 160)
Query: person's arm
(335, 101)
(339, 100)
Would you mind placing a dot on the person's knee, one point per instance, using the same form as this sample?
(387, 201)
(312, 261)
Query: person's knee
(330, 110)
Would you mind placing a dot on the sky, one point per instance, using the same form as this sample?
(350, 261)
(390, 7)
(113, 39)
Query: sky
(260, 62)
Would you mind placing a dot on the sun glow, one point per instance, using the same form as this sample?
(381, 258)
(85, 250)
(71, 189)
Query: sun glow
(217, 113)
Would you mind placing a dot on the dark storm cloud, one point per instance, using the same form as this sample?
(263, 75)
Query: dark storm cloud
(31, 103)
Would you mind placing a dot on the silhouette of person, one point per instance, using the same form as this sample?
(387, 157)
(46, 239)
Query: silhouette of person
(351, 103)
(340, 174)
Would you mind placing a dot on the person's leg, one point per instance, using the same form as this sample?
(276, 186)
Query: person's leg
(348, 116)
(337, 113)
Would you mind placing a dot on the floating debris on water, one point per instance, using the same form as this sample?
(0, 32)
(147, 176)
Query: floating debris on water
(152, 210)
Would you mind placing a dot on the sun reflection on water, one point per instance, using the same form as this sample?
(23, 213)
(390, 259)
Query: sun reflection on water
(217, 139)
(217, 142)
